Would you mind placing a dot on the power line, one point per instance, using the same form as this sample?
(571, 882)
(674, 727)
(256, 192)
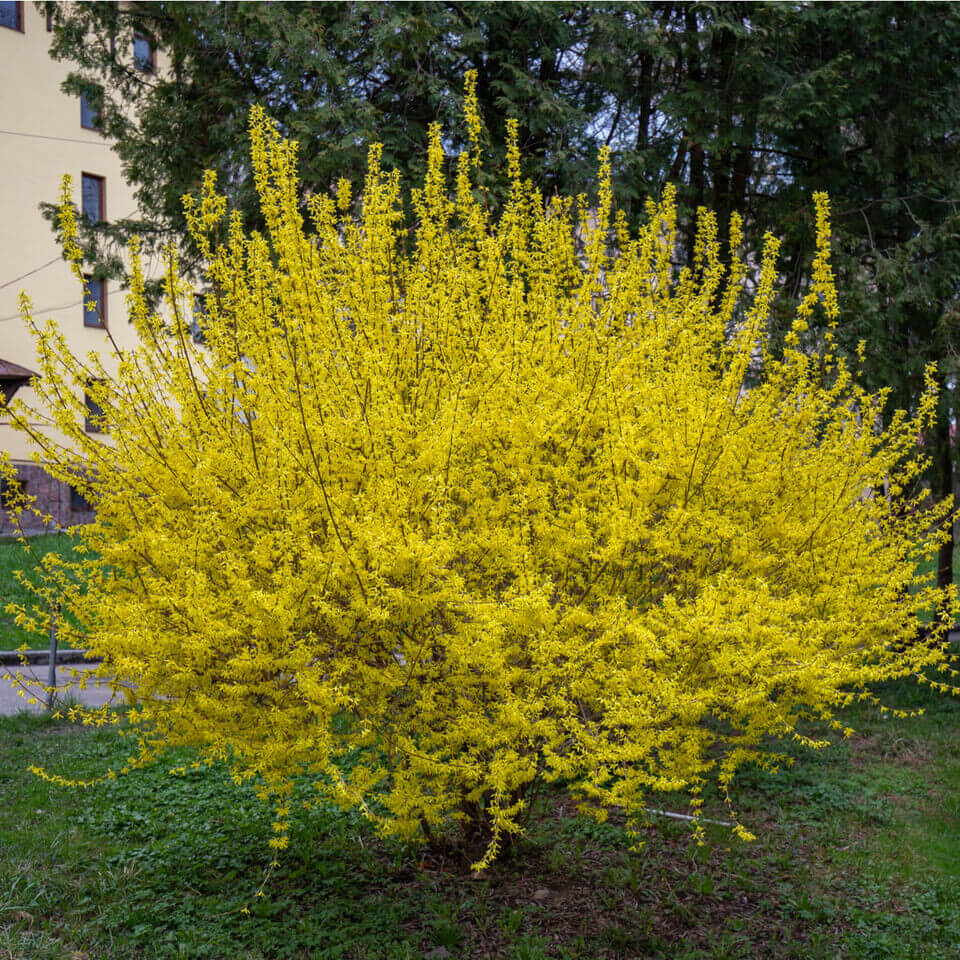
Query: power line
(43, 136)
(30, 273)
(43, 266)
(65, 306)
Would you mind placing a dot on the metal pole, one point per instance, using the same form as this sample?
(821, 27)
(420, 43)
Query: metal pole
(52, 674)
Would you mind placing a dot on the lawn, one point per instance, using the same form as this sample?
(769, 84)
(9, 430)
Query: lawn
(858, 856)
(13, 556)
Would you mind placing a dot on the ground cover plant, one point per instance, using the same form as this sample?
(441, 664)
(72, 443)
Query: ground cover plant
(858, 857)
(503, 503)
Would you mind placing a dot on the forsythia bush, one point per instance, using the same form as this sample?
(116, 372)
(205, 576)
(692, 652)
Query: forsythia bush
(486, 504)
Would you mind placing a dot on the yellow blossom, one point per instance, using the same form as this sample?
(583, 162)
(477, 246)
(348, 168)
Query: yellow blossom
(502, 501)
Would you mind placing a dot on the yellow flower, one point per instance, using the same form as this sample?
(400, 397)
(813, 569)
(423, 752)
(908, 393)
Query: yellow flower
(500, 501)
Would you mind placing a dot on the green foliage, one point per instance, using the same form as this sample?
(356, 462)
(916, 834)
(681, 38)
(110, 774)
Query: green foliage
(749, 106)
(336, 77)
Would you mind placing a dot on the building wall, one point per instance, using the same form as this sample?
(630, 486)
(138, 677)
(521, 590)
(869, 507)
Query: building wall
(41, 139)
(53, 497)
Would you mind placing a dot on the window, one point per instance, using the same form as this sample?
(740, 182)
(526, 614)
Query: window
(78, 502)
(94, 419)
(11, 15)
(49, 23)
(199, 317)
(92, 197)
(89, 114)
(11, 492)
(143, 58)
(95, 303)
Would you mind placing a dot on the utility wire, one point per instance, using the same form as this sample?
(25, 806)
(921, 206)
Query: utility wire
(43, 266)
(29, 273)
(43, 136)
(65, 306)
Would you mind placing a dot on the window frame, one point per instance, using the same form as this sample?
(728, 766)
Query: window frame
(197, 316)
(101, 194)
(89, 279)
(19, 28)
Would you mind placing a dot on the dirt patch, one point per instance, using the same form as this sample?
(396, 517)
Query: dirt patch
(615, 903)
(911, 752)
(62, 730)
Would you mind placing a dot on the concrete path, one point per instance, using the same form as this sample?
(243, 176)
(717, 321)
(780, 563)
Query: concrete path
(34, 677)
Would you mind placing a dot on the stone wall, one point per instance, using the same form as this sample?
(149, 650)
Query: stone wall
(53, 498)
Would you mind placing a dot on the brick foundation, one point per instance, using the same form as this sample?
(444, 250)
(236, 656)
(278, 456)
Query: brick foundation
(53, 497)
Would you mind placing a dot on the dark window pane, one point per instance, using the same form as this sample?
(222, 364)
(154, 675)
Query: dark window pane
(78, 502)
(92, 197)
(10, 15)
(94, 308)
(89, 115)
(199, 318)
(49, 23)
(142, 54)
(94, 418)
(9, 492)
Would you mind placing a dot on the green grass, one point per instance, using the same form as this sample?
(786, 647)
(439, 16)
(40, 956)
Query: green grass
(858, 856)
(14, 556)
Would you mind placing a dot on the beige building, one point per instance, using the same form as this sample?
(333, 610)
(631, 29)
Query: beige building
(45, 133)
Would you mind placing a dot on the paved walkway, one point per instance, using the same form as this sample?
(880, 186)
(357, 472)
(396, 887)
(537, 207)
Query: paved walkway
(33, 678)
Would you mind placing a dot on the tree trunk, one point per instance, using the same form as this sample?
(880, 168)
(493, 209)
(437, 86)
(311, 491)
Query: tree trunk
(942, 479)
